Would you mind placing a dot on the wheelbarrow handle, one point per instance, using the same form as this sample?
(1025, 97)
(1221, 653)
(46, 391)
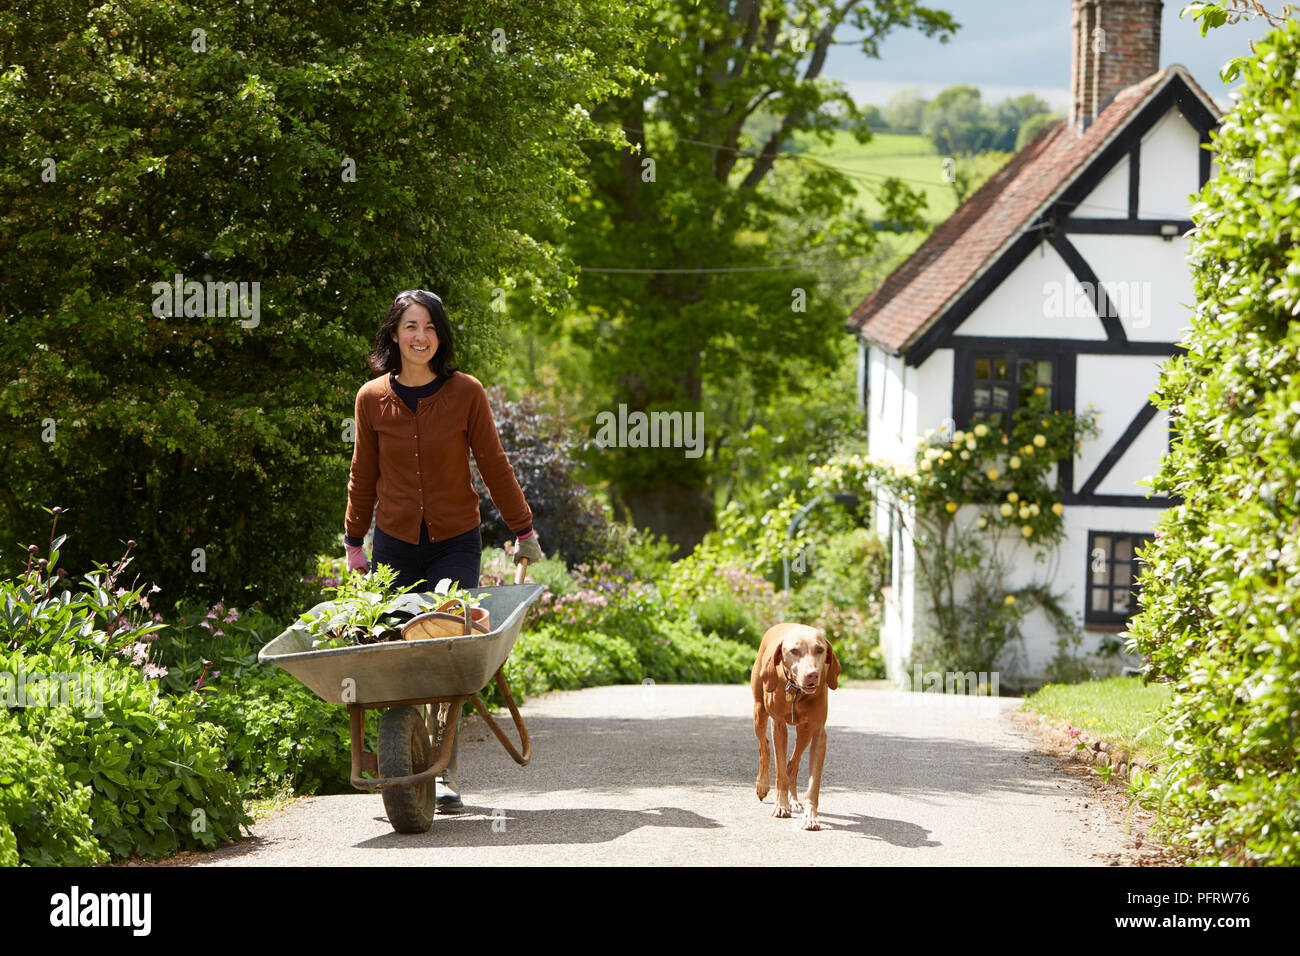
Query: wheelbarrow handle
(527, 755)
(521, 571)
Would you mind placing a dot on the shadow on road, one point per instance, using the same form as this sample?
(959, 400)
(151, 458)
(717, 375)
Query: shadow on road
(481, 826)
(615, 755)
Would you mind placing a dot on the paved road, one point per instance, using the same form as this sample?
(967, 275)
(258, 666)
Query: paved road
(664, 775)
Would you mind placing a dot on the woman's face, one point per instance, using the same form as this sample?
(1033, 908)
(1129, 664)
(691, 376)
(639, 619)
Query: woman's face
(415, 336)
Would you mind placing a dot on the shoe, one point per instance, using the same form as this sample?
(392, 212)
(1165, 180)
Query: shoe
(447, 800)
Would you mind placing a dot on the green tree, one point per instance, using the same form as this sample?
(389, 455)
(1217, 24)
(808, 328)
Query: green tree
(1035, 125)
(904, 109)
(694, 194)
(958, 123)
(326, 154)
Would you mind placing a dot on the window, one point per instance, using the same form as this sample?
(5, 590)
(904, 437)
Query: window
(1113, 567)
(1000, 384)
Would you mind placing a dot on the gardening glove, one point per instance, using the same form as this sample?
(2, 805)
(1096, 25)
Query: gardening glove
(528, 547)
(356, 558)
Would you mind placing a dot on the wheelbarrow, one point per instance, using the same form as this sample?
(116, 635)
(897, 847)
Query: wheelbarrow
(406, 678)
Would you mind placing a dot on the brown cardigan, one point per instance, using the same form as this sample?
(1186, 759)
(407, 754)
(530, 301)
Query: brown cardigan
(417, 464)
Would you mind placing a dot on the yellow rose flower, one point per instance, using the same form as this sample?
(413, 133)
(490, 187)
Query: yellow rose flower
(965, 455)
(1024, 511)
(1014, 461)
(1058, 508)
(1012, 497)
(991, 474)
(1040, 441)
(983, 522)
(970, 444)
(981, 430)
(958, 438)
(1026, 531)
(1009, 600)
(1006, 511)
(1033, 510)
(951, 506)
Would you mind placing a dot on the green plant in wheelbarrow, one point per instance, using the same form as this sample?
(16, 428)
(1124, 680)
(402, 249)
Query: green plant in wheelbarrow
(363, 610)
(370, 608)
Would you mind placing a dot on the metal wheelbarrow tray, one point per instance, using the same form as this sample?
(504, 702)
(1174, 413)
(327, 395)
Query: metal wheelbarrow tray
(405, 677)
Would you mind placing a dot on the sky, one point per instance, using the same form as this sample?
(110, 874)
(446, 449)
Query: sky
(1009, 47)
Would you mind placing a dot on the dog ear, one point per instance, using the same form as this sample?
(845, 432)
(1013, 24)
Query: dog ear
(832, 665)
(769, 664)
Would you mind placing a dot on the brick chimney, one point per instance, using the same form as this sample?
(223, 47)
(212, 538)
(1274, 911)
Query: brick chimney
(1116, 43)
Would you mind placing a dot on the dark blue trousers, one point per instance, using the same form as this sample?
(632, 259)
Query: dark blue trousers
(459, 558)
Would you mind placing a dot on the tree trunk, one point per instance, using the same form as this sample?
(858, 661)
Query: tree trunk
(680, 513)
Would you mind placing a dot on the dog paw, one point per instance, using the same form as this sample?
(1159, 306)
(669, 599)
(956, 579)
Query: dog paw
(762, 793)
(796, 806)
(780, 812)
(810, 821)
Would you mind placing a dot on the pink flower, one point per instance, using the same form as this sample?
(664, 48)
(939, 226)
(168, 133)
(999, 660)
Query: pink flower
(154, 671)
(232, 616)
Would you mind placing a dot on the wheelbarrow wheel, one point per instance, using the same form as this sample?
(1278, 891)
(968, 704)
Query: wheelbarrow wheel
(403, 751)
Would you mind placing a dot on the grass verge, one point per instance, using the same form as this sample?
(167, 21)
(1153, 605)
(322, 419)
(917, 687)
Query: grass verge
(1120, 711)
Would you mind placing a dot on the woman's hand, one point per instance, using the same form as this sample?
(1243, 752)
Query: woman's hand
(528, 548)
(356, 558)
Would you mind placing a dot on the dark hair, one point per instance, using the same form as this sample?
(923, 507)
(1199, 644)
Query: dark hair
(387, 357)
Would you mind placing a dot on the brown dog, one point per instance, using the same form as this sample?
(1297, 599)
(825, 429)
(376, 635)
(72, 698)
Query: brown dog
(795, 670)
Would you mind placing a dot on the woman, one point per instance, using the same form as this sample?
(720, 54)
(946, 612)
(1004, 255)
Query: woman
(415, 427)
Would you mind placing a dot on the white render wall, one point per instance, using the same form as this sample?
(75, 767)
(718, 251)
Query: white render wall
(1109, 198)
(1151, 280)
(1118, 386)
(1170, 168)
(1022, 304)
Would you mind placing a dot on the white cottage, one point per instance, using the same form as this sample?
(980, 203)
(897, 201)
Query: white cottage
(1067, 270)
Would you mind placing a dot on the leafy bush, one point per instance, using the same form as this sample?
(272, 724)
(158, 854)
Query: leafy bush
(725, 615)
(1219, 616)
(44, 816)
(840, 593)
(99, 740)
(279, 735)
(155, 773)
(550, 659)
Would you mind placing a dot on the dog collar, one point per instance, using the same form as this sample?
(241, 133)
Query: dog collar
(792, 690)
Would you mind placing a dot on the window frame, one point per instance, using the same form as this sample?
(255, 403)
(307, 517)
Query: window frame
(964, 379)
(1137, 539)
